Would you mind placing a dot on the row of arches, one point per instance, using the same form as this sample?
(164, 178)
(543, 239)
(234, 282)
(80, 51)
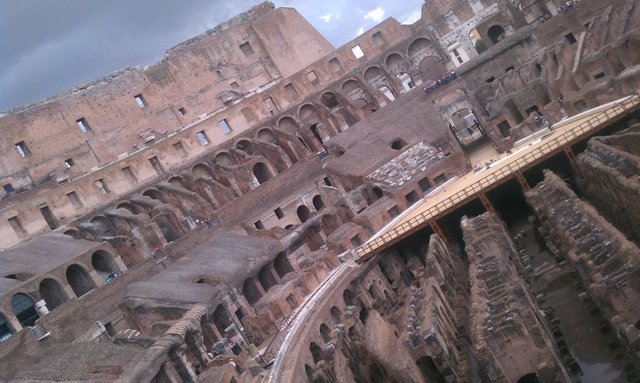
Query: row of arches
(54, 293)
(255, 287)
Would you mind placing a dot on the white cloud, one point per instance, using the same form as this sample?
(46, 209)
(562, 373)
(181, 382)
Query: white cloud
(375, 15)
(360, 31)
(326, 18)
(412, 17)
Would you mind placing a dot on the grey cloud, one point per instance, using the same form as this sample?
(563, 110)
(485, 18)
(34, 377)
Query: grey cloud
(49, 46)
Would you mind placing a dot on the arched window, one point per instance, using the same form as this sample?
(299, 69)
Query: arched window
(329, 100)
(266, 278)
(79, 280)
(325, 333)
(103, 264)
(24, 309)
(316, 352)
(303, 213)
(261, 171)
(221, 319)
(250, 291)
(377, 192)
(336, 314)
(529, 378)
(496, 33)
(349, 297)
(282, 265)
(318, 203)
(5, 330)
(52, 292)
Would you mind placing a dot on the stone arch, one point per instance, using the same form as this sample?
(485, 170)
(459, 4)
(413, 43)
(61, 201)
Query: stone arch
(349, 297)
(221, 319)
(377, 78)
(336, 314)
(325, 333)
(126, 205)
(52, 292)
(73, 233)
(313, 238)
(429, 370)
(250, 291)
(201, 171)
(419, 49)
(79, 280)
(5, 328)
(354, 90)
(318, 203)
(282, 265)
(261, 172)
(496, 33)
(104, 264)
(24, 308)
(223, 159)
(316, 352)
(266, 135)
(431, 68)
(246, 146)
(329, 100)
(266, 278)
(396, 64)
(179, 181)
(303, 213)
(154, 194)
(377, 193)
(288, 125)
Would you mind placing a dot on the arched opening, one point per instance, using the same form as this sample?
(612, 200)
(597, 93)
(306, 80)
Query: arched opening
(529, 378)
(245, 146)
(336, 314)
(318, 203)
(282, 265)
(128, 206)
(387, 92)
(266, 278)
(364, 314)
(329, 223)
(201, 171)
(24, 309)
(476, 41)
(288, 125)
(325, 333)
(316, 352)
(349, 297)
(52, 292)
(79, 280)
(303, 213)
(398, 144)
(377, 193)
(221, 319)
(373, 291)
(419, 49)
(153, 194)
(309, 372)
(5, 329)
(266, 135)
(395, 64)
(496, 33)
(250, 291)
(223, 159)
(103, 264)
(261, 171)
(429, 370)
(329, 100)
(72, 233)
(378, 79)
(179, 182)
(356, 93)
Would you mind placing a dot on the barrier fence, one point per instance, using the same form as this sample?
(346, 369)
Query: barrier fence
(574, 134)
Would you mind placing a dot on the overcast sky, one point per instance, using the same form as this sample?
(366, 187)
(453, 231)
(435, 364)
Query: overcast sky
(49, 46)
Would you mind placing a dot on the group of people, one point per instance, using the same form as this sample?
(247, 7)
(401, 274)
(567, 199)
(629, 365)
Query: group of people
(442, 81)
(111, 277)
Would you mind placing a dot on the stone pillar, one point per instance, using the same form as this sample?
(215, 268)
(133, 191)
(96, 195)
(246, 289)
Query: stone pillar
(273, 272)
(524, 184)
(486, 202)
(96, 278)
(181, 365)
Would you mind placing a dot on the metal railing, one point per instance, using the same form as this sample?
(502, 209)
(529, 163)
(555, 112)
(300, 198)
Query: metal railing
(595, 121)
